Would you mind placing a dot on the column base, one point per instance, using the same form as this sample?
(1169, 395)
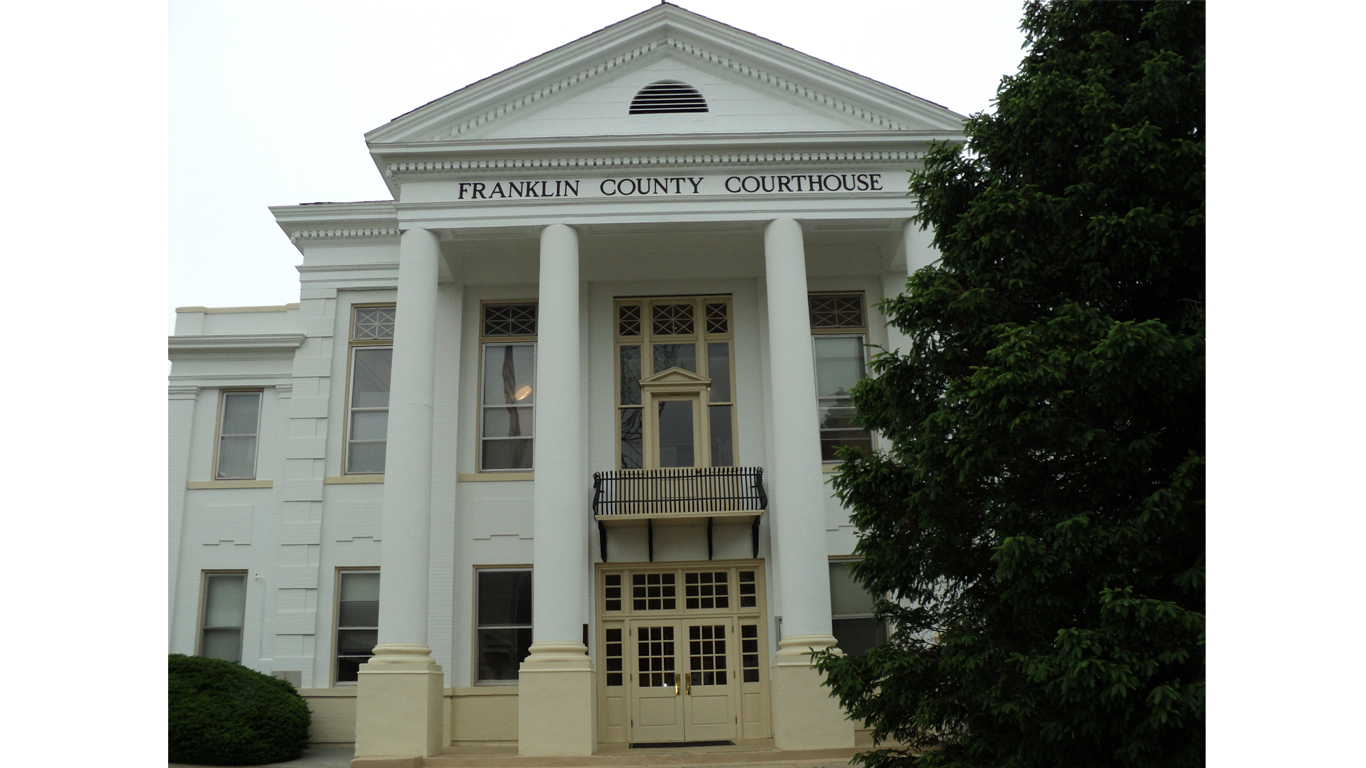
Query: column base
(805, 715)
(398, 703)
(556, 705)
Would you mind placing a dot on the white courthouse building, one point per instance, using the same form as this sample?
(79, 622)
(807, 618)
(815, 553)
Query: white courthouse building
(540, 456)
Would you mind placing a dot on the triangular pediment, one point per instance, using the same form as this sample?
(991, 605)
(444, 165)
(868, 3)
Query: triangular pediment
(750, 84)
(675, 376)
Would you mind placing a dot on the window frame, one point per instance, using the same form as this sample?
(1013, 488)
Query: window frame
(880, 626)
(218, 430)
(476, 627)
(485, 341)
(701, 337)
(859, 332)
(337, 627)
(354, 344)
(205, 577)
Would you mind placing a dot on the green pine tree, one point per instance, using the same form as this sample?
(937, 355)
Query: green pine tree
(1036, 519)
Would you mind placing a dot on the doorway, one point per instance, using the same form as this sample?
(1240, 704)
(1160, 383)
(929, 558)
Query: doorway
(683, 652)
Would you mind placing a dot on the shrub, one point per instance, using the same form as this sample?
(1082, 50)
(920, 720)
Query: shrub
(222, 713)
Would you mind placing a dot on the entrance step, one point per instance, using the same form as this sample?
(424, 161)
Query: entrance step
(742, 752)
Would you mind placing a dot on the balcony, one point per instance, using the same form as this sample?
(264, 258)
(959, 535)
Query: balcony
(678, 497)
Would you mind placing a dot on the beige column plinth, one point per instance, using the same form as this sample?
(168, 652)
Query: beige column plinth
(398, 702)
(805, 715)
(555, 702)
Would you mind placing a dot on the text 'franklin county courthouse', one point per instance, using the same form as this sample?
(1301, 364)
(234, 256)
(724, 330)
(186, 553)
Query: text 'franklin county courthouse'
(540, 456)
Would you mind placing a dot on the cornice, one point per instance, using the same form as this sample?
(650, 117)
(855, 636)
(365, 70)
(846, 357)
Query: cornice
(811, 94)
(699, 159)
(352, 233)
(258, 342)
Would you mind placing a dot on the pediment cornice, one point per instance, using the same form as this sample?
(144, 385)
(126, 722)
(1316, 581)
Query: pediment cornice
(667, 30)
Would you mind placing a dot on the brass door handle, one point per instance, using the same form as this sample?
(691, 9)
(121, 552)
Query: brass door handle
(688, 682)
(676, 689)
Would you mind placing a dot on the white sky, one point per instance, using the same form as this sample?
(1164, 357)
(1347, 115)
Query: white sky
(269, 101)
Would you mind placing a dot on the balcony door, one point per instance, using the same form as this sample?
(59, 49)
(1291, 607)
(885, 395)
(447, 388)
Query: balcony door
(675, 393)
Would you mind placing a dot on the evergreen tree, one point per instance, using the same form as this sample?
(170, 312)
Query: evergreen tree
(1036, 518)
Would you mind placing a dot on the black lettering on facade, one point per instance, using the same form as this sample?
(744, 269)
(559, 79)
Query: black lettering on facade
(478, 190)
(463, 186)
(695, 182)
(735, 179)
(572, 187)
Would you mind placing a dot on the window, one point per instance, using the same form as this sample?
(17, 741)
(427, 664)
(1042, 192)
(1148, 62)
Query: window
(694, 334)
(503, 623)
(508, 389)
(372, 356)
(357, 621)
(224, 604)
(838, 347)
(851, 609)
(239, 421)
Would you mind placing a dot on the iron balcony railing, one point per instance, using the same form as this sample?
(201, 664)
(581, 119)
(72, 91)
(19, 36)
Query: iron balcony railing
(688, 491)
(633, 496)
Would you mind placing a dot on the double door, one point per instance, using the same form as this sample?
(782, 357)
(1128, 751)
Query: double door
(684, 678)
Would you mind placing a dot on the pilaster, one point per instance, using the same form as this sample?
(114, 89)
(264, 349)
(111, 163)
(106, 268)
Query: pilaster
(180, 422)
(299, 496)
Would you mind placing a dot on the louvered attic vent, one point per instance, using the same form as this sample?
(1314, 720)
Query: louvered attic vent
(666, 97)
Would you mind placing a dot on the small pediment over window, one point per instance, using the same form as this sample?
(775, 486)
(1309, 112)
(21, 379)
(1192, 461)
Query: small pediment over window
(667, 97)
(676, 376)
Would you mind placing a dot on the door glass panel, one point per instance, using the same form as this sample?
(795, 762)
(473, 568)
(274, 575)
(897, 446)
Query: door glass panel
(749, 649)
(632, 438)
(613, 655)
(653, 592)
(707, 654)
(668, 356)
(630, 375)
(676, 434)
(718, 368)
(655, 656)
(722, 450)
(707, 589)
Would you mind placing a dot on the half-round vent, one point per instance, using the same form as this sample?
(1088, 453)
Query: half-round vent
(667, 96)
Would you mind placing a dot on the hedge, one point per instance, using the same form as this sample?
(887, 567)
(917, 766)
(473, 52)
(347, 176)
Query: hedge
(222, 713)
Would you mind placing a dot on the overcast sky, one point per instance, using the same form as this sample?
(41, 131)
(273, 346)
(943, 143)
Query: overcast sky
(270, 101)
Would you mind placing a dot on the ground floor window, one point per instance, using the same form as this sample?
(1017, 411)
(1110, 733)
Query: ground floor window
(851, 609)
(224, 605)
(357, 621)
(503, 623)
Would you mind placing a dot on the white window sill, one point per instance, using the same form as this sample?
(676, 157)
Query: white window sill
(353, 479)
(205, 485)
(496, 477)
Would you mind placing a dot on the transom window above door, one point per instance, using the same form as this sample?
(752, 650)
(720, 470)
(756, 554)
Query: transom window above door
(675, 372)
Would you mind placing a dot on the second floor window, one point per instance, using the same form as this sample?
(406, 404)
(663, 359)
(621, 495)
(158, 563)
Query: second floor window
(372, 355)
(839, 341)
(238, 425)
(508, 387)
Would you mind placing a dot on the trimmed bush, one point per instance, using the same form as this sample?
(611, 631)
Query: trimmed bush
(222, 713)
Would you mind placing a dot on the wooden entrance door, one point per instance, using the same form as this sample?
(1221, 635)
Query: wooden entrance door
(657, 690)
(710, 688)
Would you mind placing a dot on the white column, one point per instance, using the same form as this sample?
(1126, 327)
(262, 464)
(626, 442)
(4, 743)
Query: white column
(398, 707)
(555, 701)
(559, 513)
(919, 253)
(804, 715)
